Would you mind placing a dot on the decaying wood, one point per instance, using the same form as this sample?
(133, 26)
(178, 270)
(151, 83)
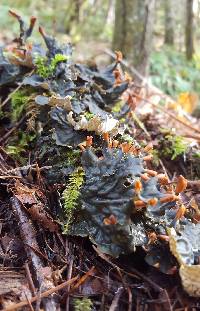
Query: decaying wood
(11, 281)
(41, 273)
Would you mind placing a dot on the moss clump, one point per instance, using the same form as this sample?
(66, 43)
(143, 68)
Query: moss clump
(71, 194)
(175, 146)
(84, 304)
(43, 69)
(73, 156)
(117, 107)
(19, 144)
(19, 99)
(88, 115)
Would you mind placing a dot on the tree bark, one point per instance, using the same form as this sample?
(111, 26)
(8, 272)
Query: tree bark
(189, 30)
(169, 22)
(133, 31)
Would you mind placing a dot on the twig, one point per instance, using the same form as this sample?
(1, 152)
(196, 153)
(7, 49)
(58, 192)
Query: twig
(26, 167)
(164, 169)
(167, 112)
(104, 257)
(9, 176)
(130, 299)
(11, 94)
(83, 278)
(15, 90)
(37, 251)
(137, 274)
(114, 304)
(29, 303)
(42, 295)
(192, 136)
(140, 124)
(30, 280)
(69, 275)
(5, 137)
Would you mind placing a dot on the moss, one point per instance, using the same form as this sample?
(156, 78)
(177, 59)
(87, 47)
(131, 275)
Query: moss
(19, 100)
(126, 138)
(43, 69)
(18, 145)
(73, 156)
(175, 146)
(117, 107)
(197, 155)
(156, 157)
(84, 304)
(71, 194)
(88, 115)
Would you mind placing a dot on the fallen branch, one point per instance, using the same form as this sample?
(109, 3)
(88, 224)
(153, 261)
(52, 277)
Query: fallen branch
(28, 235)
(114, 305)
(42, 295)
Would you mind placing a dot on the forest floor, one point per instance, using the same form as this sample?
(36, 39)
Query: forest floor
(72, 267)
(41, 268)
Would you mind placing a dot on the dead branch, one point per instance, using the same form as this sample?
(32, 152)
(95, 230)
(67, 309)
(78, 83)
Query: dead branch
(42, 295)
(28, 236)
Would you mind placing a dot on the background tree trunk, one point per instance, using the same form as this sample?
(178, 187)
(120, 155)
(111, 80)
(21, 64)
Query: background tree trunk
(133, 31)
(189, 30)
(169, 22)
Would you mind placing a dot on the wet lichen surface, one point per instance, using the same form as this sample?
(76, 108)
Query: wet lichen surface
(97, 184)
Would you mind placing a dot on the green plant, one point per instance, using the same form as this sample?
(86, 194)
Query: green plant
(73, 156)
(84, 304)
(44, 69)
(19, 144)
(178, 74)
(156, 157)
(71, 194)
(197, 155)
(88, 115)
(175, 146)
(117, 107)
(19, 99)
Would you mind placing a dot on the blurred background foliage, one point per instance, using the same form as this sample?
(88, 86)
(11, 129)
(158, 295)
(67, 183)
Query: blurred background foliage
(93, 23)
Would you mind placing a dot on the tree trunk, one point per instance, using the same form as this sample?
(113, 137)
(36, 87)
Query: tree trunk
(133, 31)
(169, 22)
(189, 30)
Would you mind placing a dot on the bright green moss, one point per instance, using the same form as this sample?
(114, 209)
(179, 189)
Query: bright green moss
(45, 70)
(19, 100)
(177, 146)
(71, 194)
(84, 304)
(88, 115)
